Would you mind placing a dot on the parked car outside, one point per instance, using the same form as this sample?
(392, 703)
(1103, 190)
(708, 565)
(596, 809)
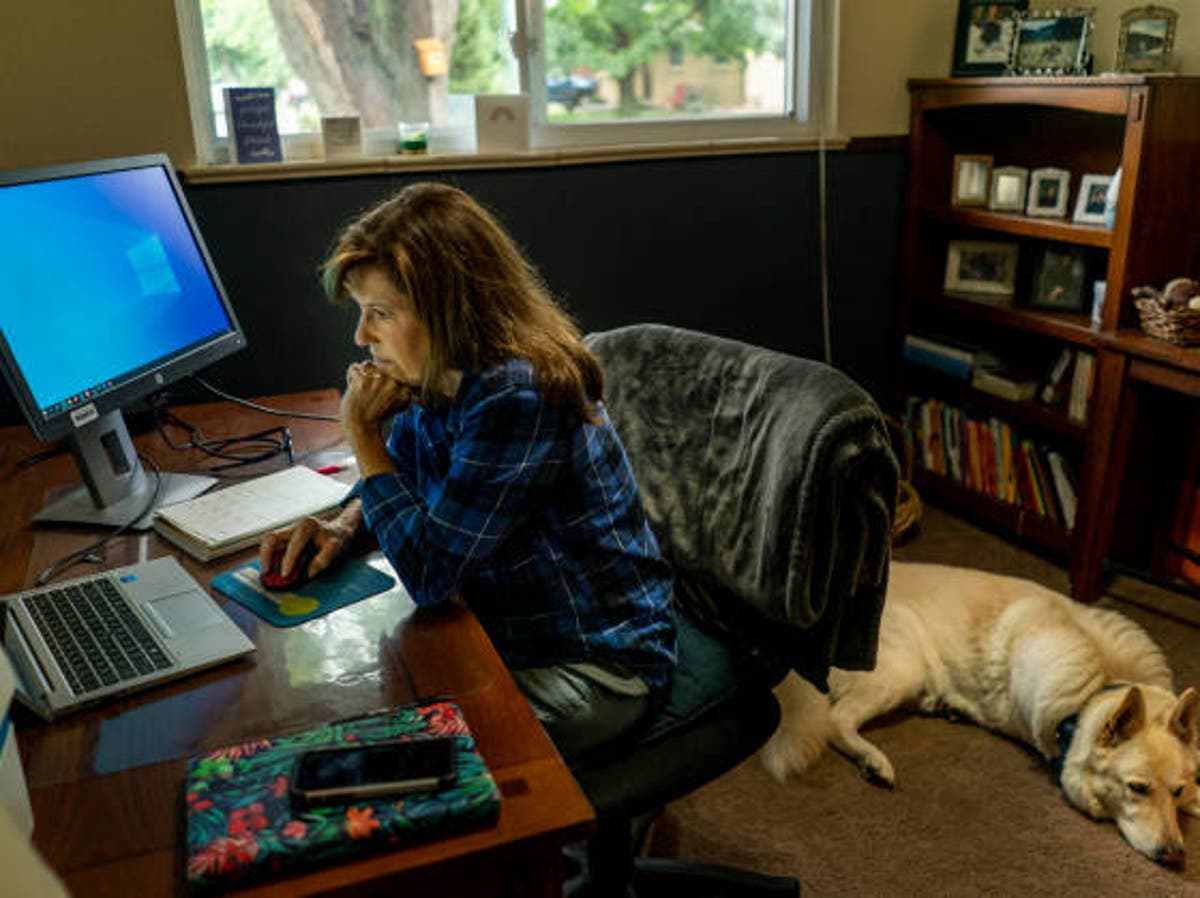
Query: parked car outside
(571, 90)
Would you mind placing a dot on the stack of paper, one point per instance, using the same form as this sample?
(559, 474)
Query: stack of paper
(227, 520)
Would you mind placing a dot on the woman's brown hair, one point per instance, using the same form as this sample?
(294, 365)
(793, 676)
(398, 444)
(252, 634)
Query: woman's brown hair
(481, 300)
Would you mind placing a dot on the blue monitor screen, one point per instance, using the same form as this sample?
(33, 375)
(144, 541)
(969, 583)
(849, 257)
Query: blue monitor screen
(101, 278)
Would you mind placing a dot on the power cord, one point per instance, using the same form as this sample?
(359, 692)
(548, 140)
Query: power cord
(38, 457)
(262, 408)
(57, 567)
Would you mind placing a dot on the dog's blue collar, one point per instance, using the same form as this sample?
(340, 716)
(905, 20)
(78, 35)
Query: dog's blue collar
(1062, 739)
(1064, 733)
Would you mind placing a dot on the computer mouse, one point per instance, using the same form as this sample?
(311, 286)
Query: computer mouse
(274, 580)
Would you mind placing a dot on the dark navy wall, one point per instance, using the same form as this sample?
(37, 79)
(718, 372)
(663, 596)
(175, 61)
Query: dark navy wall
(726, 244)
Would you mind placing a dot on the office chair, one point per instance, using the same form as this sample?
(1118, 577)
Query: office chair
(770, 483)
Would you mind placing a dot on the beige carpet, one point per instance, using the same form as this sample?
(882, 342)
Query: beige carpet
(972, 814)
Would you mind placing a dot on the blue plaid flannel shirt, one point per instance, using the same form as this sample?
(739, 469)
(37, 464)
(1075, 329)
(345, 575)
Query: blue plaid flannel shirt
(534, 518)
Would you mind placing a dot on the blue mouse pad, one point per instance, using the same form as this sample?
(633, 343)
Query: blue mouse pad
(348, 581)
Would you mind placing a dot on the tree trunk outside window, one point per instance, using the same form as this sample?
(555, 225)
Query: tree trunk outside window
(358, 58)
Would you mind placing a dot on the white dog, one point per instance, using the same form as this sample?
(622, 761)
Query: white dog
(1084, 686)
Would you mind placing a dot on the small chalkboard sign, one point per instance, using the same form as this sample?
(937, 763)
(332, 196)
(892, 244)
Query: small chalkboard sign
(253, 132)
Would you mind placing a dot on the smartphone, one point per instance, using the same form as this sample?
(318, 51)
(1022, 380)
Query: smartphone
(347, 773)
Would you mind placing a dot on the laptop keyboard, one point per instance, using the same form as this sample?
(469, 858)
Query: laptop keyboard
(93, 633)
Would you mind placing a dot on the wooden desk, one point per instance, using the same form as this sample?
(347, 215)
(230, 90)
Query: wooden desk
(1127, 362)
(106, 784)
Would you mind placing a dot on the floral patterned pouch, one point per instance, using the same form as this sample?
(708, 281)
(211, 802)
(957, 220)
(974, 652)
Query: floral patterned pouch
(241, 823)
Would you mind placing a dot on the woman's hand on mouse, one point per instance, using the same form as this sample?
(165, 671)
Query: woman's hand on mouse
(331, 537)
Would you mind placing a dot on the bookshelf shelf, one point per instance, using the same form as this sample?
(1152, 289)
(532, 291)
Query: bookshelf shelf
(1032, 414)
(1070, 326)
(1020, 521)
(1132, 341)
(1146, 126)
(1022, 225)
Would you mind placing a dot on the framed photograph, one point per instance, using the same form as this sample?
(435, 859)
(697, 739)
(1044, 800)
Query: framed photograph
(1048, 189)
(972, 174)
(981, 266)
(1052, 42)
(1145, 40)
(984, 36)
(1092, 199)
(1008, 188)
(1059, 279)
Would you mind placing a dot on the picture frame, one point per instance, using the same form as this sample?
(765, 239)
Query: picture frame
(984, 35)
(1091, 201)
(1059, 278)
(972, 177)
(1009, 184)
(1053, 42)
(985, 267)
(1048, 192)
(1146, 39)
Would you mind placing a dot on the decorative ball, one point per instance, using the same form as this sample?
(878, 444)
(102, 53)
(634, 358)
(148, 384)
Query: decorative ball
(1180, 292)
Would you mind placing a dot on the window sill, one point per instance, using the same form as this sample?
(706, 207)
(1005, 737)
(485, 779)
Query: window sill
(370, 165)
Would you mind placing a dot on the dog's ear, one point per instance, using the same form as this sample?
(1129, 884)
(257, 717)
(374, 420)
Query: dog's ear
(1183, 717)
(1124, 722)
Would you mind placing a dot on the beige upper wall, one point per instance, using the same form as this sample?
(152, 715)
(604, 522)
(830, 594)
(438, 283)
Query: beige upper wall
(82, 80)
(886, 42)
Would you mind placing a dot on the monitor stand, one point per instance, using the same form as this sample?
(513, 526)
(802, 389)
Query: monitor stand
(116, 486)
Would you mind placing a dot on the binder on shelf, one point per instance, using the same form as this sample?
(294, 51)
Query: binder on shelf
(1081, 387)
(1051, 392)
(1064, 488)
(953, 360)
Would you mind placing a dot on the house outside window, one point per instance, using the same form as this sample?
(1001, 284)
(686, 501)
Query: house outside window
(596, 71)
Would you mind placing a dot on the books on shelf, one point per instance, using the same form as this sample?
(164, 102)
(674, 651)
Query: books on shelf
(1079, 397)
(988, 456)
(1064, 486)
(253, 131)
(1053, 390)
(222, 522)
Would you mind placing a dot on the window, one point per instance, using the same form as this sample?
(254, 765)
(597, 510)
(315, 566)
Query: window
(596, 71)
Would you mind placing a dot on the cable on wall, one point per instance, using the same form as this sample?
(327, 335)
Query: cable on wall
(822, 180)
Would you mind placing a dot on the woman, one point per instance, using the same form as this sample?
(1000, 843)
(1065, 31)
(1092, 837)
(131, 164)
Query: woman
(502, 479)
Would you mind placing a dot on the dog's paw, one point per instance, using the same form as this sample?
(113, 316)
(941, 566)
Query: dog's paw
(878, 777)
(877, 770)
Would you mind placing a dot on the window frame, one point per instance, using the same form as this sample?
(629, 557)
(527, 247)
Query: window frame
(811, 29)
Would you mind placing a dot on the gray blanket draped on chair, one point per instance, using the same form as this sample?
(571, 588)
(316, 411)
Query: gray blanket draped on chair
(729, 440)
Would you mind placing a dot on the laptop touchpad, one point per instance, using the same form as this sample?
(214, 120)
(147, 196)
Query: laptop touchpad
(186, 611)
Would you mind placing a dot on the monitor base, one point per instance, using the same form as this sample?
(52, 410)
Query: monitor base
(75, 506)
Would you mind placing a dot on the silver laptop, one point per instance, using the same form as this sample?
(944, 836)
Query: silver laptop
(80, 641)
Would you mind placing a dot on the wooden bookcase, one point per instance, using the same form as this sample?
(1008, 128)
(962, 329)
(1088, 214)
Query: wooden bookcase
(1149, 126)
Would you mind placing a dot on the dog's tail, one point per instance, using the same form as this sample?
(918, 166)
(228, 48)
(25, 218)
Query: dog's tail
(804, 728)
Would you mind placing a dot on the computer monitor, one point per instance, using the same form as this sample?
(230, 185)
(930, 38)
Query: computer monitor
(107, 294)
